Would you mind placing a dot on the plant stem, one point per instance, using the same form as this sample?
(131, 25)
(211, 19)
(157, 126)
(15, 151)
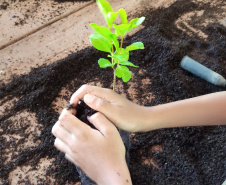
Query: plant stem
(112, 50)
(114, 81)
(112, 61)
(121, 43)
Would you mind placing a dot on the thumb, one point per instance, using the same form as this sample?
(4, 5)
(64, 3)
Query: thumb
(98, 104)
(101, 123)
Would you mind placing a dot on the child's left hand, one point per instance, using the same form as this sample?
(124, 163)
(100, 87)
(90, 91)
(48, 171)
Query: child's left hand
(99, 153)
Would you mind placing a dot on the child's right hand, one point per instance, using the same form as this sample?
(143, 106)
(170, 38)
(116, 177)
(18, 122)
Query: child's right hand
(123, 113)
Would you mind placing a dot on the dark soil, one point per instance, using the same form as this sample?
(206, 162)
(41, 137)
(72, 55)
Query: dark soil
(187, 156)
(82, 111)
(4, 5)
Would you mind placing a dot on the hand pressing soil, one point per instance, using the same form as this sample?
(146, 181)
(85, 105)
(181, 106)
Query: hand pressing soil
(82, 111)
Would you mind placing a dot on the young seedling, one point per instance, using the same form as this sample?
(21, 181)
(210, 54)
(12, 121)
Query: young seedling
(106, 39)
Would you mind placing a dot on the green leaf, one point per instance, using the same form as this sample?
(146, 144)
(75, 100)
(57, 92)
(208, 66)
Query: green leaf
(135, 46)
(121, 29)
(104, 31)
(123, 72)
(121, 51)
(103, 63)
(115, 41)
(111, 16)
(121, 57)
(127, 63)
(100, 42)
(105, 7)
(123, 15)
(137, 21)
(117, 33)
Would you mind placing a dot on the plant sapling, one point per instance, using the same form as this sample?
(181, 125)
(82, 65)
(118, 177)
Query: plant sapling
(105, 39)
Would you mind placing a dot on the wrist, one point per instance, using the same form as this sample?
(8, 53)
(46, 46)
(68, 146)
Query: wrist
(148, 119)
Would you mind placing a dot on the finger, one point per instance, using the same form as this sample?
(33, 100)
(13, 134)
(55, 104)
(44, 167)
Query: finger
(85, 89)
(69, 158)
(71, 123)
(99, 104)
(61, 133)
(101, 123)
(71, 108)
(60, 145)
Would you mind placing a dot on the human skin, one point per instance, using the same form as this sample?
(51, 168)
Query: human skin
(99, 153)
(199, 111)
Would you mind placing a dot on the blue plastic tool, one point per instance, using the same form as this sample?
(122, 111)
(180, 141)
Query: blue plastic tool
(202, 71)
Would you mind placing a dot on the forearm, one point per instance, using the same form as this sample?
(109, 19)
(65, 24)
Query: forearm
(203, 110)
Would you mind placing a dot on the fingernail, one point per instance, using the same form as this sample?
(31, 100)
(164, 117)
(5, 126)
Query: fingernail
(88, 98)
(88, 118)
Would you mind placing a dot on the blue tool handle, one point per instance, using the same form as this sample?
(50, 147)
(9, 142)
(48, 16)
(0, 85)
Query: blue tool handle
(202, 71)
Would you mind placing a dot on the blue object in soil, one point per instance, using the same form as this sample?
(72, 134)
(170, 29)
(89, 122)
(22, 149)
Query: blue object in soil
(202, 71)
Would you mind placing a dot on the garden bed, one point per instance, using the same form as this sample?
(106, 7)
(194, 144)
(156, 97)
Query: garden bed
(168, 156)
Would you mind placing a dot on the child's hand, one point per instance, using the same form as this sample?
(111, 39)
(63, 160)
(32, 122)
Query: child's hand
(99, 153)
(123, 113)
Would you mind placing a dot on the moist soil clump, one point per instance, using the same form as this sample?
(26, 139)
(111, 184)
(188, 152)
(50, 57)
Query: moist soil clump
(83, 111)
(190, 155)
